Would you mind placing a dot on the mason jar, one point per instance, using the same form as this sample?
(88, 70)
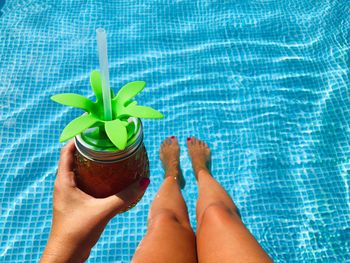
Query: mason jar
(102, 170)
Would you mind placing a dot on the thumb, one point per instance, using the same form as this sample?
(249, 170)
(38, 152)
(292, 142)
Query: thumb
(126, 198)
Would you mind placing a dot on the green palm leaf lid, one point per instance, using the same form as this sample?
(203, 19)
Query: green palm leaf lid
(118, 130)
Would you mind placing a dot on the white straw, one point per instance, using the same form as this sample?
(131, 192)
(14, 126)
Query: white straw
(103, 59)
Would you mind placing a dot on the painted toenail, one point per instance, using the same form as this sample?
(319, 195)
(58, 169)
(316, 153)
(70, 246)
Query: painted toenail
(172, 137)
(188, 139)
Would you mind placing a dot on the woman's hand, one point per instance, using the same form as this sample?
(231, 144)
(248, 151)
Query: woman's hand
(78, 218)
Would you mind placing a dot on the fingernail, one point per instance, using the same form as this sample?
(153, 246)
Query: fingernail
(144, 182)
(188, 139)
(172, 137)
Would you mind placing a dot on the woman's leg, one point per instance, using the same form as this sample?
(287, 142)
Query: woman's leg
(221, 235)
(169, 236)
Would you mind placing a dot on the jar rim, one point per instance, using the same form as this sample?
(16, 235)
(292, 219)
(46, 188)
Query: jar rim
(98, 154)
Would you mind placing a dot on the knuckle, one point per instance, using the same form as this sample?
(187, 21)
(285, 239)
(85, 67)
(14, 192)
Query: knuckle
(57, 186)
(63, 150)
(57, 205)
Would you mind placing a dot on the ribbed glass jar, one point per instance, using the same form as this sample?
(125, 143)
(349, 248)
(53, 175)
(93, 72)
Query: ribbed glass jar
(101, 173)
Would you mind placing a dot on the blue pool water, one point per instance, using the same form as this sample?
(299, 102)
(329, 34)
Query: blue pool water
(264, 82)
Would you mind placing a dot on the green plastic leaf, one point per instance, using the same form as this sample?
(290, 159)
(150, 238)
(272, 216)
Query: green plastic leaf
(142, 112)
(74, 100)
(130, 129)
(125, 123)
(76, 126)
(96, 84)
(129, 91)
(118, 109)
(117, 133)
(130, 103)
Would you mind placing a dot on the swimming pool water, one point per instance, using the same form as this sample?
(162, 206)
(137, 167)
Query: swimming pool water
(264, 82)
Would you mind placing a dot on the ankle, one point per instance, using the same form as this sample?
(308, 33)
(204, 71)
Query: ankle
(199, 166)
(173, 171)
(203, 171)
(171, 165)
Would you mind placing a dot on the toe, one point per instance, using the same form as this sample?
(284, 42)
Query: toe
(161, 149)
(174, 140)
(170, 140)
(193, 140)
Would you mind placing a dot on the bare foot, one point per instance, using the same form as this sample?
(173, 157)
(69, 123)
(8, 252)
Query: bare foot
(200, 155)
(169, 155)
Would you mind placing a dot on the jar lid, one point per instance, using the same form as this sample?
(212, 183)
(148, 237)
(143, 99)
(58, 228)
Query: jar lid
(95, 147)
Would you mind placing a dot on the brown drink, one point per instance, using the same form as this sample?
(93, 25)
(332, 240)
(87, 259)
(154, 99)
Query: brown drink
(101, 173)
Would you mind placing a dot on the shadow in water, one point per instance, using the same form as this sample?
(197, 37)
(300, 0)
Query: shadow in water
(2, 3)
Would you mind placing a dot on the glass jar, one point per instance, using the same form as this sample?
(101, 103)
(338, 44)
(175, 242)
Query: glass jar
(103, 171)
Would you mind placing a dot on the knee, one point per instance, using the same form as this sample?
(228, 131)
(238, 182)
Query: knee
(167, 217)
(218, 213)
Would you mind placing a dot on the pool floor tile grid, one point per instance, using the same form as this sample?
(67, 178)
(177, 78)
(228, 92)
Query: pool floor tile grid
(265, 83)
